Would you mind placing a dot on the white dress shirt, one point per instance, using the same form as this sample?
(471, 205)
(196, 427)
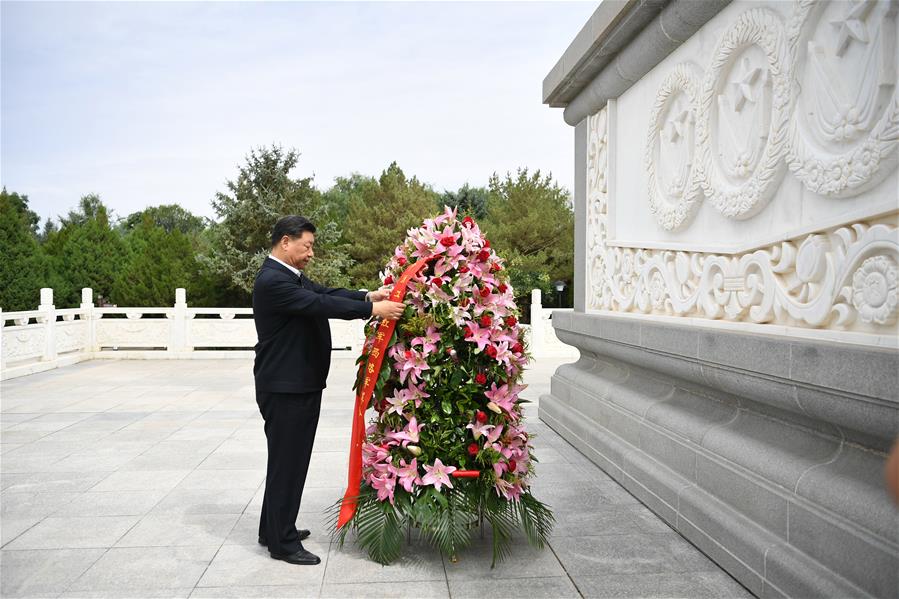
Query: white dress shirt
(295, 271)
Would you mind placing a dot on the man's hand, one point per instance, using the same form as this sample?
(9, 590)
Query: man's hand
(380, 295)
(387, 309)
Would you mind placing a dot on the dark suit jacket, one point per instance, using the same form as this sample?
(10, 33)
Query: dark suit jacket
(291, 313)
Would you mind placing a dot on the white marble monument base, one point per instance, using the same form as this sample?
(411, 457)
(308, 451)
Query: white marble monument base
(766, 453)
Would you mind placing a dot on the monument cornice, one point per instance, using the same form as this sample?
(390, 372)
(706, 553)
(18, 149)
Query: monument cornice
(620, 43)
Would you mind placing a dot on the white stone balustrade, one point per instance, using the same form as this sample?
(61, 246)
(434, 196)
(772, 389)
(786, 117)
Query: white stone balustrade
(37, 340)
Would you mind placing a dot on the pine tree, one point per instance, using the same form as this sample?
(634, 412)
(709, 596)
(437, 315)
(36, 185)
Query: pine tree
(159, 262)
(24, 269)
(470, 201)
(86, 252)
(262, 193)
(379, 214)
(531, 223)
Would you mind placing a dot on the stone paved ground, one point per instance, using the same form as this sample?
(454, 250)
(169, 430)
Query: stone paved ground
(144, 479)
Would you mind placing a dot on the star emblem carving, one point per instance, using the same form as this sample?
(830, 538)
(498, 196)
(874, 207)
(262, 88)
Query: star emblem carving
(852, 26)
(675, 127)
(744, 88)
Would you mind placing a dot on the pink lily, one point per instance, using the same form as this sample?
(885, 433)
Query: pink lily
(510, 491)
(493, 435)
(479, 335)
(500, 335)
(384, 485)
(417, 394)
(478, 429)
(398, 401)
(438, 475)
(503, 396)
(503, 355)
(449, 214)
(412, 367)
(429, 341)
(408, 434)
(408, 474)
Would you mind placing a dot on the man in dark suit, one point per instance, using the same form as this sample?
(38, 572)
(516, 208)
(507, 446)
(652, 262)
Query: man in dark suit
(293, 357)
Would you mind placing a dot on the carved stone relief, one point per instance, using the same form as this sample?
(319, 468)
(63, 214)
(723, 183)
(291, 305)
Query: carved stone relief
(817, 95)
(743, 115)
(846, 125)
(843, 278)
(673, 186)
(132, 332)
(23, 343)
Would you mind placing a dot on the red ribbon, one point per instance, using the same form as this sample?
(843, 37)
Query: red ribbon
(372, 370)
(466, 473)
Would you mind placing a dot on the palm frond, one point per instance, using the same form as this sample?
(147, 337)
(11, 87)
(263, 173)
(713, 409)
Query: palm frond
(449, 524)
(503, 521)
(536, 519)
(379, 529)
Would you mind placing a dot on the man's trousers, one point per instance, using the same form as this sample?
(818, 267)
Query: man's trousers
(290, 424)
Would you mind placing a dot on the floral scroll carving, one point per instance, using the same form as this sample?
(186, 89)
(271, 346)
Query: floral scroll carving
(841, 278)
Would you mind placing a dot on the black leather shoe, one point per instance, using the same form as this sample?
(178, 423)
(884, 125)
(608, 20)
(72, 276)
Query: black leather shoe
(300, 558)
(302, 535)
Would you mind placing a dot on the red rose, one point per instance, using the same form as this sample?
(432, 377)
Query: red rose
(473, 449)
(517, 348)
(502, 288)
(401, 261)
(388, 280)
(408, 354)
(486, 243)
(463, 269)
(486, 321)
(468, 222)
(483, 255)
(447, 240)
(491, 351)
(480, 378)
(481, 416)
(484, 292)
(511, 321)
(437, 282)
(495, 267)
(512, 465)
(468, 332)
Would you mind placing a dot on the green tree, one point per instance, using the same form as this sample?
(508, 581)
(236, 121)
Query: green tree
(169, 217)
(50, 227)
(89, 207)
(262, 193)
(530, 222)
(19, 203)
(24, 268)
(379, 215)
(471, 201)
(337, 198)
(159, 262)
(86, 252)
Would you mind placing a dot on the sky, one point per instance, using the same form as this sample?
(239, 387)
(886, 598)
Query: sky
(149, 103)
